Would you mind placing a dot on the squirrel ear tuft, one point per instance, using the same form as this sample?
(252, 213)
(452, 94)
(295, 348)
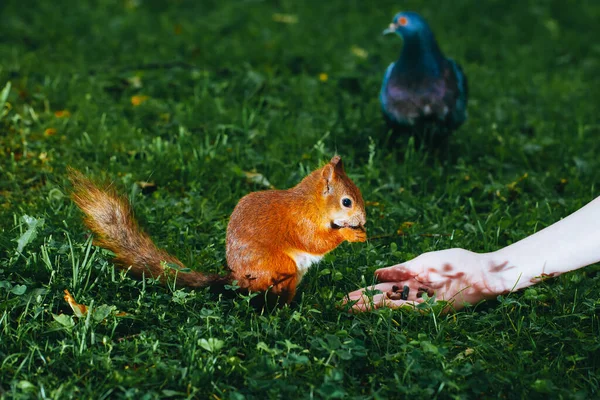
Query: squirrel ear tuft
(335, 167)
(337, 163)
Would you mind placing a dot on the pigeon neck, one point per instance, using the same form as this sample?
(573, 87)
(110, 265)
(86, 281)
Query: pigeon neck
(420, 56)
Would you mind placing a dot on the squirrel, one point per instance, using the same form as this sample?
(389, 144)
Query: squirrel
(273, 236)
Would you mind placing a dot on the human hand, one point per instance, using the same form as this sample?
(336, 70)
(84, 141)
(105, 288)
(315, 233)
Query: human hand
(454, 275)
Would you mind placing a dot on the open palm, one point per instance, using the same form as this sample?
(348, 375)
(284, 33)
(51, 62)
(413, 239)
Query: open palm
(454, 275)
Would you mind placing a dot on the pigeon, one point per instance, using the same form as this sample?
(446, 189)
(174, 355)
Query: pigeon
(423, 90)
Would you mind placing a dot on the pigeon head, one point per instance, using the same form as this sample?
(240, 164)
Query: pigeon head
(408, 24)
(420, 54)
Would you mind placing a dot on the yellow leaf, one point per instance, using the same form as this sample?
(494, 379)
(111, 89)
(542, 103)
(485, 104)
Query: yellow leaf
(137, 100)
(285, 18)
(405, 226)
(78, 309)
(513, 185)
(323, 77)
(50, 132)
(135, 81)
(359, 52)
(257, 178)
(132, 4)
(62, 114)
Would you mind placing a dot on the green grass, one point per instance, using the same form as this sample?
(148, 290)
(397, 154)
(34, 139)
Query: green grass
(231, 89)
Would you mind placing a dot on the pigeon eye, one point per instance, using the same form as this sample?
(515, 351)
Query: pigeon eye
(346, 202)
(402, 21)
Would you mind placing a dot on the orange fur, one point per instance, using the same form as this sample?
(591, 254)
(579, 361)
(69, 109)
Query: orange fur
(272, 237)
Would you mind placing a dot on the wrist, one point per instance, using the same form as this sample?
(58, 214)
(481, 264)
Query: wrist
(502, 274)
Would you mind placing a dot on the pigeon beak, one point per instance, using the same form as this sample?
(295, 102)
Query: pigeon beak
(389, 29)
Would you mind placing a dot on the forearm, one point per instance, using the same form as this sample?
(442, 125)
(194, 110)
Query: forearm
(569, 244)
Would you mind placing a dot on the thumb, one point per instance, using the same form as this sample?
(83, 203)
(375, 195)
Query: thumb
(399, 272)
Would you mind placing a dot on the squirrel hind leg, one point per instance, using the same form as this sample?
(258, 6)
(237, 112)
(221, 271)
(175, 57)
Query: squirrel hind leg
(284, 288)
(275, 277)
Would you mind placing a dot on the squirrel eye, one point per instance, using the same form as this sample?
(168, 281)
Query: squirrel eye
(346, 202)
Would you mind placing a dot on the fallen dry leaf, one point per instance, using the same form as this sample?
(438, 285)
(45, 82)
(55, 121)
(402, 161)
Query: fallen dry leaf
(147, 187)
(79, 309)
(405, 226)
(137, 100)
(462, 355)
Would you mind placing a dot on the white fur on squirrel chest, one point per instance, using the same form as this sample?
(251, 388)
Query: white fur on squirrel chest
(304, 261)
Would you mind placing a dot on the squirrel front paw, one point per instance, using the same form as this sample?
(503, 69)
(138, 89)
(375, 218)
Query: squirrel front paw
(358, 234)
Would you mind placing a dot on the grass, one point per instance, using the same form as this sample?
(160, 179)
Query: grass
(278, 87)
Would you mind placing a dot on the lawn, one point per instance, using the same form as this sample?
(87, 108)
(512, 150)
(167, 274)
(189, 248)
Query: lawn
(175, 102)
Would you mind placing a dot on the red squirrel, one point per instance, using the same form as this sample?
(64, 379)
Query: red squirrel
(273, 236)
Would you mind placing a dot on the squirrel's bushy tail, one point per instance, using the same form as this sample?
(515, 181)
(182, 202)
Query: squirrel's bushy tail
(110, 217)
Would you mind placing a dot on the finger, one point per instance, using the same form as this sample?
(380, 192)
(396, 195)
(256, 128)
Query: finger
(368, 303)
(386, 294)
(393, 290)
(380, 301)
(395, 273)
(387, 286)
(400, 303)
(357, 294)
(383, 287)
